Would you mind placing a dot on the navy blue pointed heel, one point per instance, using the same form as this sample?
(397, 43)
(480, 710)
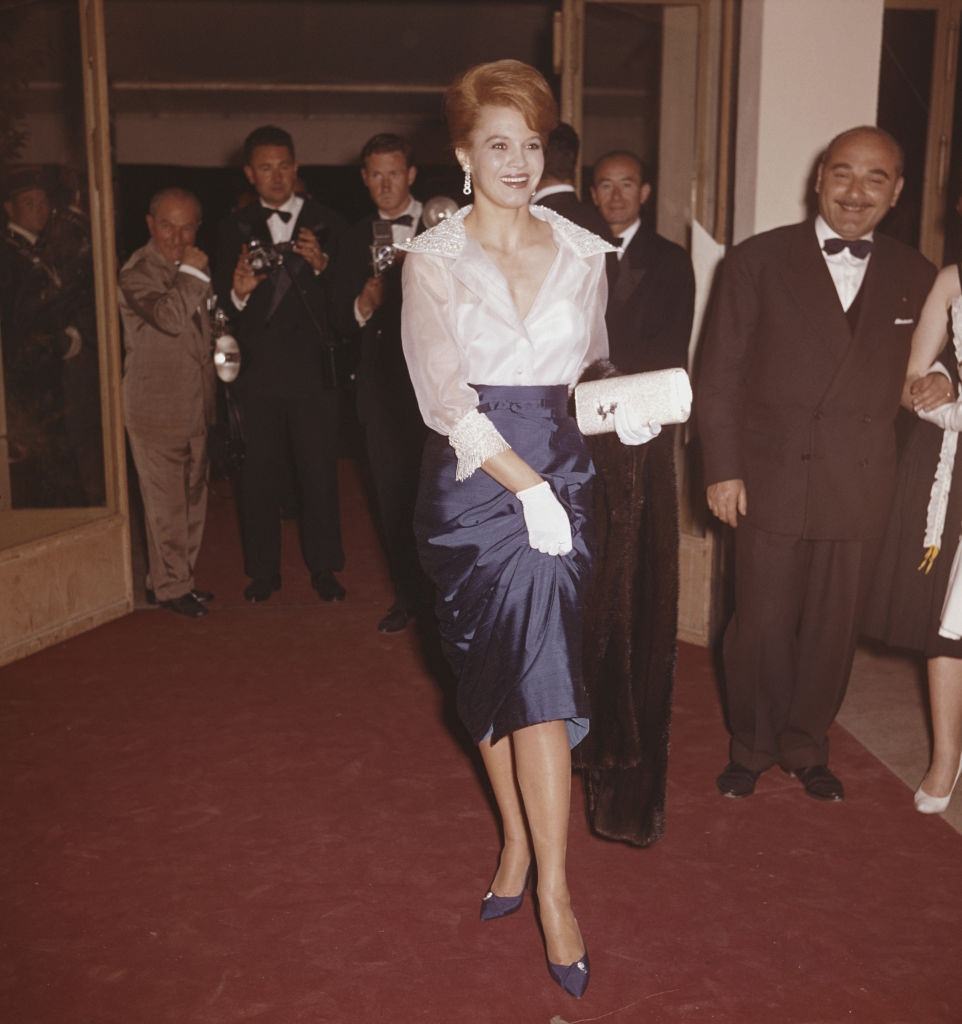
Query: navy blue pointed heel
(493, 907)
(573, 978)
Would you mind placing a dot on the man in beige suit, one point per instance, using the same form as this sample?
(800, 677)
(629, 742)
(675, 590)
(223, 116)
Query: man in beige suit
(169, 393)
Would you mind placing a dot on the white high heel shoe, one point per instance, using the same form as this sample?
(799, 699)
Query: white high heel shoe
(935, 804)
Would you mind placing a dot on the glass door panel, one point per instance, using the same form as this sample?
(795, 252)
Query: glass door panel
(51, 436)
(640, 93)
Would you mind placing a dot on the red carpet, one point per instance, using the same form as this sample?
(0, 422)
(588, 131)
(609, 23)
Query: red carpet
(262, 816)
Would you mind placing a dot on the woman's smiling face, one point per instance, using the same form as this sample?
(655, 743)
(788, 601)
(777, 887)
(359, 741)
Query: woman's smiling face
(505, 156)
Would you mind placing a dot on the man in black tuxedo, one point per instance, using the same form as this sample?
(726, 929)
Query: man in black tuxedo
(369, 304)
(631, 615)
(802, 371)
(556, 189)
(651, 285)
(40, 338)
(280, 315)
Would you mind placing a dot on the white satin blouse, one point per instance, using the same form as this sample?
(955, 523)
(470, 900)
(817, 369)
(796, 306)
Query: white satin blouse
(459, 324)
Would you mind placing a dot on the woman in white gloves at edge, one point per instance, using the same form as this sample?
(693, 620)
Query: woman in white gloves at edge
(916, 601)
(504, 306)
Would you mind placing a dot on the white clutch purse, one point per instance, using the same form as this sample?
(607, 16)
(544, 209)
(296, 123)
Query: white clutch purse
(661, 396)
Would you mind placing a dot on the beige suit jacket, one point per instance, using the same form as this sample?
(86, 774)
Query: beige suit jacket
(169, 381)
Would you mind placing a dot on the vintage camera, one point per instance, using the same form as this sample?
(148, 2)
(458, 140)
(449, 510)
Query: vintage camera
(383, 253)
(267, 256)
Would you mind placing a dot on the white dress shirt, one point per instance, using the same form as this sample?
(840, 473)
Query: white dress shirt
(847, 271)
(186, 268)
(23, 232)
(28, 236)
(405, 232)
(280, 232)
(627, 235)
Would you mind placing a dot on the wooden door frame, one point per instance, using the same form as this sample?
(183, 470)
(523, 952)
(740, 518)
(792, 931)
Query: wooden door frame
(938, 145)
(75, 571)
(701, 603)
(102, 222)
(712, 133)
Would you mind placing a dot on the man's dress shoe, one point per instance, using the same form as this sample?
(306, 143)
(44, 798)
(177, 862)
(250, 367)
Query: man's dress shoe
(260, 590)
(736, 780)
(395, 620)
(327, 587)
(204, 596)
(819, 782)
(187, 605)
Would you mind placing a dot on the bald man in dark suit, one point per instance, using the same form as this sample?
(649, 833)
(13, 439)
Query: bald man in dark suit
(802, 372)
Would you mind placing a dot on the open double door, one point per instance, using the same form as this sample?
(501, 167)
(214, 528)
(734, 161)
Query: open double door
(656, 78)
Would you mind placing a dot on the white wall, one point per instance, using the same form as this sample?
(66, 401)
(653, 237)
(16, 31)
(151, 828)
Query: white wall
(808, 69)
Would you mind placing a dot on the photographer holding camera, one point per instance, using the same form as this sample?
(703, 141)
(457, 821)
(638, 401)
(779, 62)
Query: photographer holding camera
(273, 280)
(369, 304)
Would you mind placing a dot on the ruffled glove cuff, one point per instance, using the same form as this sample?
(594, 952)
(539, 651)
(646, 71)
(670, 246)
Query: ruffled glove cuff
(475, 439)
(948, 416)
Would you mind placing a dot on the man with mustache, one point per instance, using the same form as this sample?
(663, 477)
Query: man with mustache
(802, 372)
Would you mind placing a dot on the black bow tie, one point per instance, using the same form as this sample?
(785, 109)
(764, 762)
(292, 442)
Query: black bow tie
(619, 240)
(285, 215)
(406, 219)
(858, 247)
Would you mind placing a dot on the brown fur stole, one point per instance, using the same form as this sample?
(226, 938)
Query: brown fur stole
(631, 619)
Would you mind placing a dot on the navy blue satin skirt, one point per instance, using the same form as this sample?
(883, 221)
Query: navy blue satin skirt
(510, 617)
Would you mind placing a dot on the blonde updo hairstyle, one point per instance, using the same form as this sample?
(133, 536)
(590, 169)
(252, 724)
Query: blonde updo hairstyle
(499, 83)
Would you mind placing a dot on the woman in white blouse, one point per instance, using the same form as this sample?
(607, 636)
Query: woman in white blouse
(503, 308)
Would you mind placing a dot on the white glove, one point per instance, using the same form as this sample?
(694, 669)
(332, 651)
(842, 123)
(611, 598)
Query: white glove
(631, 429)
(948, 416)
(549, 530)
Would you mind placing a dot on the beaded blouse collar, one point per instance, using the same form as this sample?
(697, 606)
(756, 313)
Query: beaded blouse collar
(449, 237)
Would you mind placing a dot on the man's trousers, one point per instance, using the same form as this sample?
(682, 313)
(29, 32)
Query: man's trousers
(173, 486)
(789, 647)
(306, 427)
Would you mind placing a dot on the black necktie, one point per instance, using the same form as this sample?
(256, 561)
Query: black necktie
(858, 247)
(285, 215)
(406, 219)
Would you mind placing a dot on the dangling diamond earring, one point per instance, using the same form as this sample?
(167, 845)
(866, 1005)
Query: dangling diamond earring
(467, 181)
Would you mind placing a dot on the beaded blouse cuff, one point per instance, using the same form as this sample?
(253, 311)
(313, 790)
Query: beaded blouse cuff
(474, 439)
